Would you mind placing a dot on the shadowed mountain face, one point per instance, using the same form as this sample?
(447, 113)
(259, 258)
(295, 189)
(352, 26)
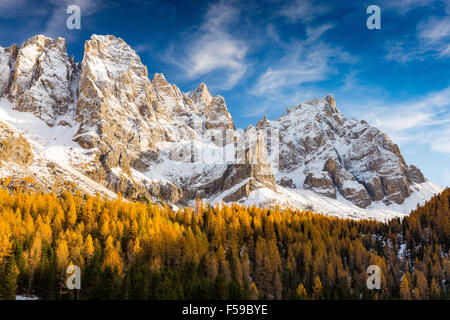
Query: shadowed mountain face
(108, 127)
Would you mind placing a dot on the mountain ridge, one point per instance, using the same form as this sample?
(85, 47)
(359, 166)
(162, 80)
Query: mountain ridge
(146, 139)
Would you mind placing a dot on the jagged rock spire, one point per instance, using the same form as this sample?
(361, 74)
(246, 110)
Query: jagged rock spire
(201, 96)
(330, 99)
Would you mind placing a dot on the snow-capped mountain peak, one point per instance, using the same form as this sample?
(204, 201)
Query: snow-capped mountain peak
(104, 125)
(323, 151)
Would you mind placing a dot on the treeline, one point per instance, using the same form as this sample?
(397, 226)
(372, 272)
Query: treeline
(133, 250)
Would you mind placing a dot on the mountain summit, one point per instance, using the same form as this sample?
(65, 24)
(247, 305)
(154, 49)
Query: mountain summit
(323, 151)
(103, 125)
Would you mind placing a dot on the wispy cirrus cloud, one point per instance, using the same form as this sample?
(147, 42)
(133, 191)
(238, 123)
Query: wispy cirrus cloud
(404, 52)
(291, 78)
(303, 10)
(404, 6)
(303, 63)
(421, 112)
(435, 33)
(425, 120)
(10, 7)
(401, 122)
(441, 143)
(295, 76)
(426, 46)
(213, 48)
(435, 30)
(431, 39)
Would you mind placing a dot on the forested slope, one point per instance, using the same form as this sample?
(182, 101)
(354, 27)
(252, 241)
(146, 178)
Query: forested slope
(133, 250)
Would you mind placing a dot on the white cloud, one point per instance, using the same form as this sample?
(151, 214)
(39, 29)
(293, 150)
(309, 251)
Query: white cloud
(297, 67)
(432, 39)
(403, 122)
(213, 48)
(303, 10)
(404, 6)
(9, 7)
(403, 53)
(422, 121)
(435, 33)
(142, 47)
(292, 78)
(441, 143)
(446, 51)
(272, 33)
(210, 53)
(315, 33)
(421, 112)
(435, 30)
(355, 91)
(304, 62)
(438, 99)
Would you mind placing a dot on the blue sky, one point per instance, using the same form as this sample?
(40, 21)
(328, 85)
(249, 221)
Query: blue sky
(264, 56)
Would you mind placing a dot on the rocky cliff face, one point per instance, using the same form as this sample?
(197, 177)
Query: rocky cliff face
(7, 61)
(214, 109)
(325, 152)
(115, 110)
(115, 98)
(14, 147)
(42, 78)
(134, 124)
(109, 125)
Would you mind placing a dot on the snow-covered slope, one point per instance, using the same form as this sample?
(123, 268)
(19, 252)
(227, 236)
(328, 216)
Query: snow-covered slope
(56, 158)
(321, 150)
(105, 126)
(339, 207)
